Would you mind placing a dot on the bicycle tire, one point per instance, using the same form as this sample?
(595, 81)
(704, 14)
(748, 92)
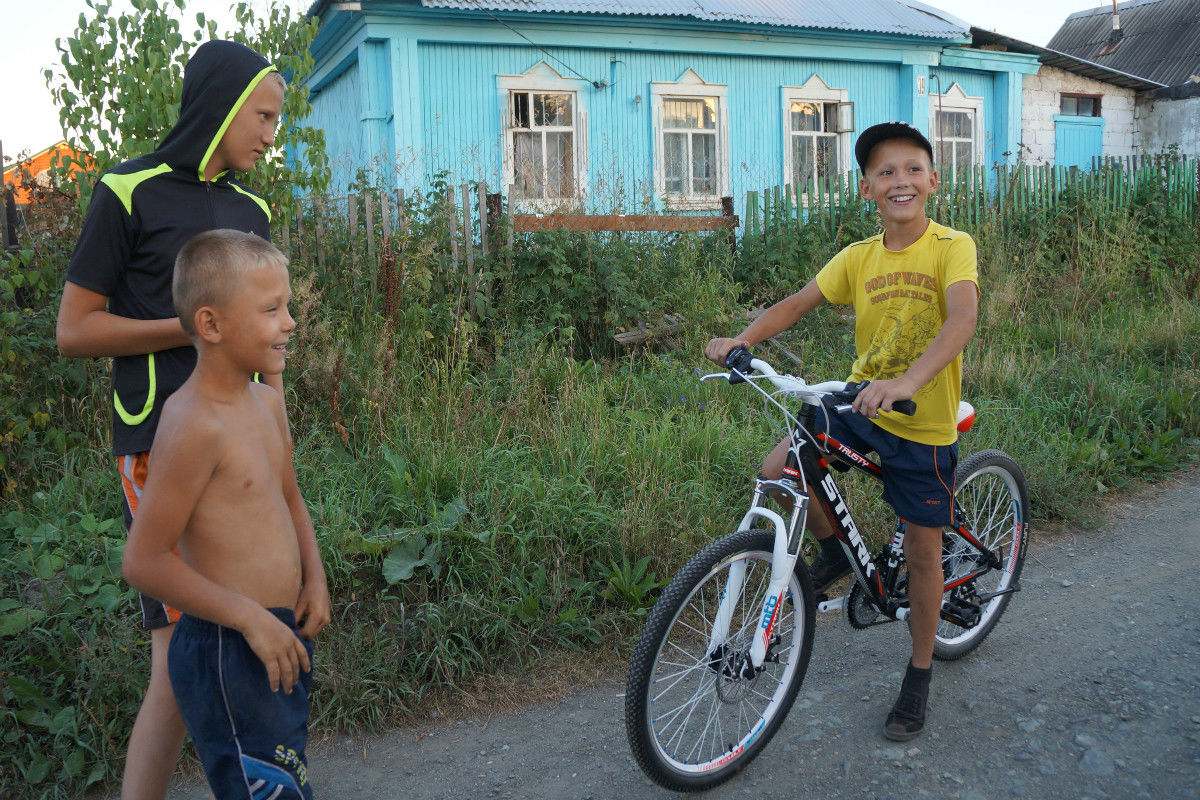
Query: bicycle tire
(990, 490)
(692, 721)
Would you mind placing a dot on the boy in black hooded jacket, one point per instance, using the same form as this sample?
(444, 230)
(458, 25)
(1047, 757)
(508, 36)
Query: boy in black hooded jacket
(117, 303)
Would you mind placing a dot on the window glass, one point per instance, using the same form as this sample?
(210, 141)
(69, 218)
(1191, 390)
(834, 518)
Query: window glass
(543, 152)
(704, 164)
(675, 162)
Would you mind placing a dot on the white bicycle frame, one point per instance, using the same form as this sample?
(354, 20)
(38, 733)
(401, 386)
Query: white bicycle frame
(782, 561)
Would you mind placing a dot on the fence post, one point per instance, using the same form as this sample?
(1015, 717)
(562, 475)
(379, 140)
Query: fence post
(495, 207)
(483, 220)
(369, 213)
(319, 212)
(469, 243)
(727, 211)
(512, 187)
(4, 243)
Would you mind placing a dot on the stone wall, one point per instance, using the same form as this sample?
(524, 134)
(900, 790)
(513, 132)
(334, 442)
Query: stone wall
(1165, 122)
(1041, 100)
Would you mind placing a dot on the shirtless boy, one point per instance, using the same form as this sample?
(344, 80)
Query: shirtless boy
(247, 573)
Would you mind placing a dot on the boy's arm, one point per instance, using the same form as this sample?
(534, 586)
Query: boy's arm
(962, 312)
(775, 320)
(87, 329)
(183, 460)
(312, 606)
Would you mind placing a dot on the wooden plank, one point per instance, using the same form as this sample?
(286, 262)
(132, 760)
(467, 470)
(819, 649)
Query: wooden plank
(524, 223)
(369, 211)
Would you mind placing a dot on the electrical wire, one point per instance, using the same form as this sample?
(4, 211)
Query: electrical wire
(492, 14)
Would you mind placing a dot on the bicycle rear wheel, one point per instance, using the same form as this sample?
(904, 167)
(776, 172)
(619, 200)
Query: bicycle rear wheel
(696, 715)
(991, 496)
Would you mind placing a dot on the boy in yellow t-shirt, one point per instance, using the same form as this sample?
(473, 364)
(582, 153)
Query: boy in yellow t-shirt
(915, 294)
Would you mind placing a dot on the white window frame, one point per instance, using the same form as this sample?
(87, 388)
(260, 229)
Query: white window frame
(955, 99)
(690, 86)
(543, 78)
(815, 90)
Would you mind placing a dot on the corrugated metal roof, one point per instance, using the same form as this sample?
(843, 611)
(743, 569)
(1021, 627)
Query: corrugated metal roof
(1160, 39)
(1065, 61)
(902, 17)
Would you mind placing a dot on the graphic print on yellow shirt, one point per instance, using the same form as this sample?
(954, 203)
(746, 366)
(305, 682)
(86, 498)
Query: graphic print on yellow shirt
(899, 300)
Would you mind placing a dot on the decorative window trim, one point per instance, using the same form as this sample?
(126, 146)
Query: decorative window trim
(689, 85)
(815, 90)
(955, 99)
(543, 78)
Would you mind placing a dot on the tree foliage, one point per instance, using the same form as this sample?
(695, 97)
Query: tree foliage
(122, 77)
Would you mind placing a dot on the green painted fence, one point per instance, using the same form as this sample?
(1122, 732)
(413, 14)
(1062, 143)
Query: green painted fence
(978, 195)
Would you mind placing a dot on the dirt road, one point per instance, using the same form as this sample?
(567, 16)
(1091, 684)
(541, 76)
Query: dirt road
(1088, 688)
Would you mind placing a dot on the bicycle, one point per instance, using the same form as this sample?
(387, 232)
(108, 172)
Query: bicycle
(725, 649)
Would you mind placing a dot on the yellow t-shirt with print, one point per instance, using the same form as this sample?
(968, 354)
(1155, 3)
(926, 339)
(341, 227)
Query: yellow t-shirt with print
(899, 300)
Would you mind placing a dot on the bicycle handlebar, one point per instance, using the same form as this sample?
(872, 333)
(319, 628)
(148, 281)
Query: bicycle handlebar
(741, 363)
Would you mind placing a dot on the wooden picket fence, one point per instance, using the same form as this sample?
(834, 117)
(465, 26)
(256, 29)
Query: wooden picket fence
(978, 195)
(481, 223)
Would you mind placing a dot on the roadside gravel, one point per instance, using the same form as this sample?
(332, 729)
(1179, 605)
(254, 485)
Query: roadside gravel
(1088, 688)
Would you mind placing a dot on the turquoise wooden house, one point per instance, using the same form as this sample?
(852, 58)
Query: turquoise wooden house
(574, 102)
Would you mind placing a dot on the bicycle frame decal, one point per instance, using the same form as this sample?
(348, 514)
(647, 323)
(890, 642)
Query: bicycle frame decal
(849, 454)
(851, 530)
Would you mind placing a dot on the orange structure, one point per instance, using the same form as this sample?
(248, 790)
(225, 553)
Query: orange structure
(37, 166)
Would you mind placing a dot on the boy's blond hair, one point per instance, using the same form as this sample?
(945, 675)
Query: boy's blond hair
(211, 266)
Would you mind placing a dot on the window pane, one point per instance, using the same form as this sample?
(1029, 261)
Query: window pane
(520, 106)
(802, 161)
(945, 154)
(962, 157)
(704, 163)
(675, 162)
(1087, 106)
(527, 164)
(1069, 105)
(695, 114)
(826, 156)
(552, 109)
(830, 125)
(806, 117)
(560, 172)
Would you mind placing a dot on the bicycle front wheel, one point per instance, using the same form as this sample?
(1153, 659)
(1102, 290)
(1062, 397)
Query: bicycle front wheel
(696, 710)
(990, 493)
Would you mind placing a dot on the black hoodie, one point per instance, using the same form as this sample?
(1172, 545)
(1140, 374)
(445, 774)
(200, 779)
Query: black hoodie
(144, 211)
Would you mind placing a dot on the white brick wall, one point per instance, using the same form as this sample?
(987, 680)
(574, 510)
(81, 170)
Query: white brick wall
(1041, 95)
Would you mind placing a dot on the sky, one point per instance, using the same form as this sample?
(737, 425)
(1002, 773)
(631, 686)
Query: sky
(30, 120)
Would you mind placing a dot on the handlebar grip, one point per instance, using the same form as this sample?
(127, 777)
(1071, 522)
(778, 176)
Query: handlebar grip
(907, 407)
(739, 359)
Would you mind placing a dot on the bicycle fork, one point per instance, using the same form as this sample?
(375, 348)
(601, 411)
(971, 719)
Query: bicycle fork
(783, 562)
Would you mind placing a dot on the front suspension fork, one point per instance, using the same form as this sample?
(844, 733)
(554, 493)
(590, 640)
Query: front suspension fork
(784, 552)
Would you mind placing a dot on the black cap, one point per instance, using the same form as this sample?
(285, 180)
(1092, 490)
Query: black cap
(884, 131)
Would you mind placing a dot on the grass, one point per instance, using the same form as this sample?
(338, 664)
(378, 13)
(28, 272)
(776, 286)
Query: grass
(502, 489)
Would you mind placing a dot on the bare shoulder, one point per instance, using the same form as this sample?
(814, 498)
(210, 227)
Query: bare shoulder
(189, 418)
(272, 403)
(191, 436)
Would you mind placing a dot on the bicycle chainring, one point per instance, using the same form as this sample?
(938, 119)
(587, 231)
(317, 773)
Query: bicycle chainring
(860, 610)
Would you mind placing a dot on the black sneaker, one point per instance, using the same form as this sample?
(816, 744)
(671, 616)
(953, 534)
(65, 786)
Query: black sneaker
(827, 567)
(906, 720)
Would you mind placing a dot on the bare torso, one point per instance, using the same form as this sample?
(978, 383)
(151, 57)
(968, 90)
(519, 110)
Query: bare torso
(241, 534)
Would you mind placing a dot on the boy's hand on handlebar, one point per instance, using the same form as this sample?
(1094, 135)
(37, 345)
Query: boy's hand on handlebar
(881, 395)
(718, 349)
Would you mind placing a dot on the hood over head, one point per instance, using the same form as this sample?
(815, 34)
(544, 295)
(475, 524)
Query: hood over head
(218, 78)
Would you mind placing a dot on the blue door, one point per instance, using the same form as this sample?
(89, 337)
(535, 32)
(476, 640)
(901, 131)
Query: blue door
(1077, 140)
